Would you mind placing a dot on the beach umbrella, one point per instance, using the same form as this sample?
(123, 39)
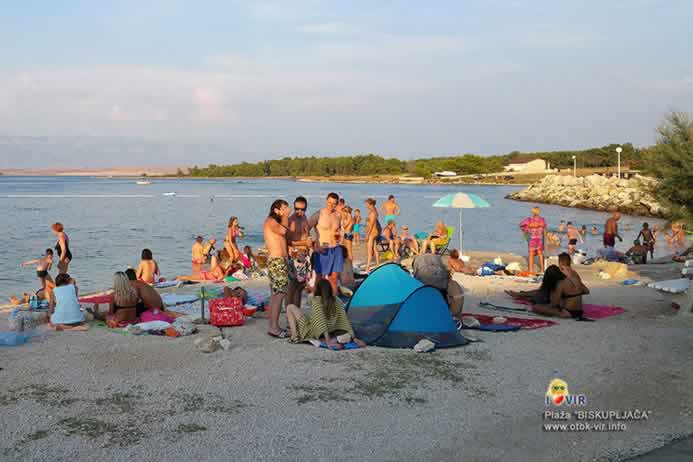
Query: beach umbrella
(461, 201)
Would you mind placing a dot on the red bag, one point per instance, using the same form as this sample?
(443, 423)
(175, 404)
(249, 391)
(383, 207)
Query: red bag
(224, 312)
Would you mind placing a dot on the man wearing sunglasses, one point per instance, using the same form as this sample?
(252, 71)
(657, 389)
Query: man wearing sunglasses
(300, 243)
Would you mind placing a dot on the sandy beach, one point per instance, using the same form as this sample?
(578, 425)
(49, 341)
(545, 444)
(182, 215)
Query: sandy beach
(104, 395)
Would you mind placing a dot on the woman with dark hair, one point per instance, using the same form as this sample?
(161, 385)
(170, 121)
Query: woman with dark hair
(326, 319)
(558, 295)
(148, 271)
(233, 231)
(64, 309)
(62, 247)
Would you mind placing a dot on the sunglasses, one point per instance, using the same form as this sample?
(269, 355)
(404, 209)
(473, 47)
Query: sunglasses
(300, 209)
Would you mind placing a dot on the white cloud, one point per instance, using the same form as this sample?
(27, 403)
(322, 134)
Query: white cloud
(328, 28)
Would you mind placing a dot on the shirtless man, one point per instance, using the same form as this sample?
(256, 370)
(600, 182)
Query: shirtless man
(300, 243)
(330, 259)
(149, 298)
(573, 236)
(198, 251)
(373, 230)
(648, 238)
(611, 230)
(275, 229)
(390, 209)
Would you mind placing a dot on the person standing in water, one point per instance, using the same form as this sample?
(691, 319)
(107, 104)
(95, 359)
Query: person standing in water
(534, 228)
(611, 230)
(573, 236)
(648, 238)
(390, 209)
(62, 247)
(43, 265)
(373, 230)
(275, 229)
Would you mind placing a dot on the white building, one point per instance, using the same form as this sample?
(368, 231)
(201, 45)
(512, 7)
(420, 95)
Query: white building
(445, 173)
(530, 166)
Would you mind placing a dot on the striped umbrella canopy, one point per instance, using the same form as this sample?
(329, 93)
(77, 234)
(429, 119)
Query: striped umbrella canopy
(461, 201)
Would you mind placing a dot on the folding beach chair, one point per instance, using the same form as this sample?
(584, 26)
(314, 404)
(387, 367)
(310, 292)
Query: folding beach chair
(442, 248)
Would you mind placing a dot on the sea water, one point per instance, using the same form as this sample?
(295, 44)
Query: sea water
(110, 220)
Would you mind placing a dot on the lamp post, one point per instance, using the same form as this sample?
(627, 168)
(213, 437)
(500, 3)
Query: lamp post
(574, 166)
(619, 150)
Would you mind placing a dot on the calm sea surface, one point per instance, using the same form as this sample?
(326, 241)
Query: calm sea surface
(109, 221)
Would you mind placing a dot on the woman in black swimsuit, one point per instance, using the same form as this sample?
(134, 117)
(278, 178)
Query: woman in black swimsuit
(62, 247)
(557, 295)
(123, 305)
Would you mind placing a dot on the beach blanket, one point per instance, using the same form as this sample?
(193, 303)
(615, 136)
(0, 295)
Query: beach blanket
(511, 323)
(673, 286)
(592, 311)
(347, 346)
(96, 299)
(179, 299)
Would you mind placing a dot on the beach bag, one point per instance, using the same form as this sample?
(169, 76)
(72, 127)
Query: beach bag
(224, 312)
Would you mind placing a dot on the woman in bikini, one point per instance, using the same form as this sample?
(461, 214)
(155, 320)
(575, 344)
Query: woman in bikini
(123, 305)
(62, 247)
(232, 232)
(534, 228)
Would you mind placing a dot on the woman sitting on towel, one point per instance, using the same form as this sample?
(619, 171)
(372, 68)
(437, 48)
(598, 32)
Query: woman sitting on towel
(64, 309)
(559, 294)
(326, 319)
(123, 305)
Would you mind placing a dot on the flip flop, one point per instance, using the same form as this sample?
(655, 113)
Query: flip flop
(282, 334)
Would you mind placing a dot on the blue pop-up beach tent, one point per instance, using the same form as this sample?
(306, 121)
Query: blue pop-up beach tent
(392, 309)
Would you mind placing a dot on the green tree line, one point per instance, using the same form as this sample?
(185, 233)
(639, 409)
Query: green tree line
(372, 164)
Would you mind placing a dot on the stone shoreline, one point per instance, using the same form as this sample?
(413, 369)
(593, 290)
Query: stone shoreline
(633, 196)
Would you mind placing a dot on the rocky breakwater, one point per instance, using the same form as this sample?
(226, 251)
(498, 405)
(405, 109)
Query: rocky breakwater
(632, 196)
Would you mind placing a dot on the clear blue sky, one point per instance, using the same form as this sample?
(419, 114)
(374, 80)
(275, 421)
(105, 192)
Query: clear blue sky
(231, 80)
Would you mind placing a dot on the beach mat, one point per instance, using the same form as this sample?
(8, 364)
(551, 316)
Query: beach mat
(165, 284)
(511, 323)
(673, 286)
(347, 346)
(179, 299)
(592, 311)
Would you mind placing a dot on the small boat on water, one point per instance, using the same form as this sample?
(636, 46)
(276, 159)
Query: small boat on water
(169, 194)
(142, 181)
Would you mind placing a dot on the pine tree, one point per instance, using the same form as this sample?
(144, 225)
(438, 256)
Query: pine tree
(672, 163)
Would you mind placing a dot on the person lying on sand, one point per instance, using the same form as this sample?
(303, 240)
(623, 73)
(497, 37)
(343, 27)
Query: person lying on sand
(148, 271)
(560, 293)
(683, 256)
(456, 265)
(64, 309)
(327, 319)
(43, 265)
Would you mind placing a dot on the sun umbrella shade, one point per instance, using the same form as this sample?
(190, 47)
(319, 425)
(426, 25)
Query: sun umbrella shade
(461, 201)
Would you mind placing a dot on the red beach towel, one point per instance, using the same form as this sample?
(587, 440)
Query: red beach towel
(523, 323)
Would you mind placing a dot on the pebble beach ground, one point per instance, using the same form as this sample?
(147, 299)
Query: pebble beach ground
(104, 395)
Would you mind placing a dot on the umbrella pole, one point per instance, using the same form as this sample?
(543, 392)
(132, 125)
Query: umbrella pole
(460, 232)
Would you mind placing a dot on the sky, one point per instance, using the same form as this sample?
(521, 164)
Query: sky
(170, 82)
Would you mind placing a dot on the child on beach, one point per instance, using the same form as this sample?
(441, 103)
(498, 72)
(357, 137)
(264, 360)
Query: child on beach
(64, 309)
(357, 226)
(573, 236)
(148, 270)
(648, 238)
(43, 265)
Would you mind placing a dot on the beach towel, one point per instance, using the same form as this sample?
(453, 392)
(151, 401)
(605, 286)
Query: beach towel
(592, 311)
(486, 323)
(179, 299)
(96, 299)
(347, 346)
(673, 286)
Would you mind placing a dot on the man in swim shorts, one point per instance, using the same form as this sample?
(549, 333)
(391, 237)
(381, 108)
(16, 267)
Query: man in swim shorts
(275, 229)
(390, 209)
(611, 230)
(330, 259)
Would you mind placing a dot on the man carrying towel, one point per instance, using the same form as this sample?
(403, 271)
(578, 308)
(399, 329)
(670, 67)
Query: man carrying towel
(330, 259)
